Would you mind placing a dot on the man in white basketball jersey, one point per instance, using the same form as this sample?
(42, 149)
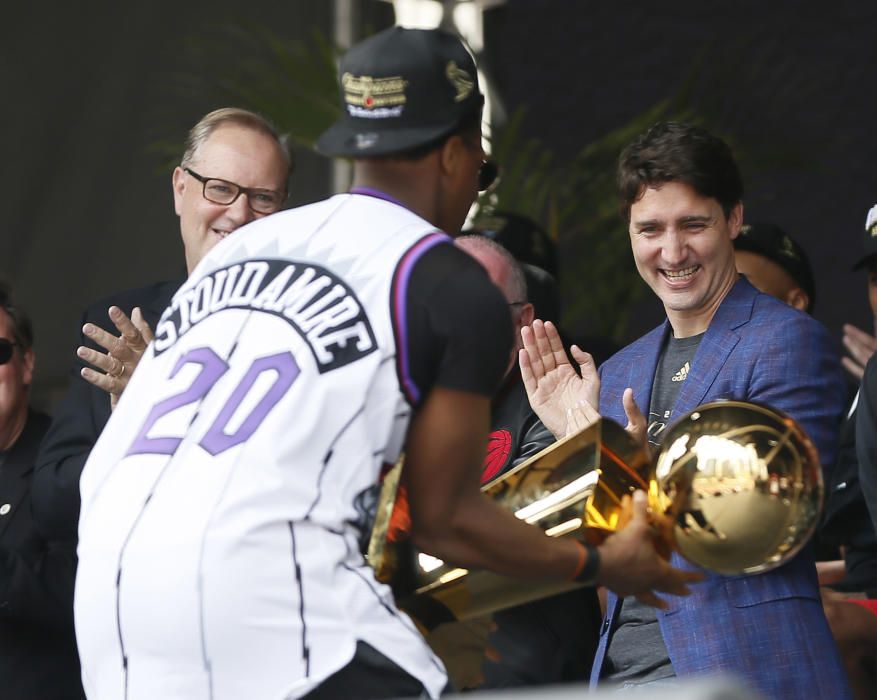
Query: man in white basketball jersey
(221, 506)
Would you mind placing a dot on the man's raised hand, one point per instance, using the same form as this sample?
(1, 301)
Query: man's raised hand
(123, 352)
(559, 396)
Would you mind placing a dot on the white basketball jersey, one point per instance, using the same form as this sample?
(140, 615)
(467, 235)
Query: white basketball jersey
(218, 553)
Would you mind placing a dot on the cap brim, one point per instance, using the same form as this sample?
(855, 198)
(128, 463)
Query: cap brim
(343, 139)
(752, 246)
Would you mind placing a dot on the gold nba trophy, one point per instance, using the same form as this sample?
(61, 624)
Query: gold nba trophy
(736, 488)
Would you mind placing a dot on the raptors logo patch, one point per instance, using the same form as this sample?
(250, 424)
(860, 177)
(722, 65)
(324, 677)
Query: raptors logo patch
(499, 446)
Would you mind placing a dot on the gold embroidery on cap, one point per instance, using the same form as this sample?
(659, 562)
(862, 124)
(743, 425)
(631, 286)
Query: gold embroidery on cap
(873, 230)
(368, 92)
(461, 80)
(788, 249)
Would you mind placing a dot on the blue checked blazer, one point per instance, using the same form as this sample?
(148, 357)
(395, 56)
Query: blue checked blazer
(767, 629)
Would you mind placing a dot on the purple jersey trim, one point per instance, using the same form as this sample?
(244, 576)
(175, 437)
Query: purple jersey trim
(398, 301)
(371, 192)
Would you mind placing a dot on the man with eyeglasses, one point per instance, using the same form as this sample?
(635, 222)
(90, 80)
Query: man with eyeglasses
(37, 648)
(219, 533)
(234, 170)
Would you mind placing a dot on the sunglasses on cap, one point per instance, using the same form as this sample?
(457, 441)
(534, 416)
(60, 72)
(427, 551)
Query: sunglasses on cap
(487, 175)
(6, 349)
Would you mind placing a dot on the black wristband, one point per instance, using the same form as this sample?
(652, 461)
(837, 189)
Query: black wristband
(589, 571)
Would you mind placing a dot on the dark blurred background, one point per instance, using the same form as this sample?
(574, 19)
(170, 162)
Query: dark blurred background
(98, 97)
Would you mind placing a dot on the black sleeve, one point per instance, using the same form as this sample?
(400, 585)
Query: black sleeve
(76, 424)
(36, 576)
(80, 417)
(459, 327)
(535, 439)
(866, 436)
(39, 588)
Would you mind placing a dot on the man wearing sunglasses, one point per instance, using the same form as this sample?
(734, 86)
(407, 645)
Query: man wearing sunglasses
(37, 647)
(234, 170)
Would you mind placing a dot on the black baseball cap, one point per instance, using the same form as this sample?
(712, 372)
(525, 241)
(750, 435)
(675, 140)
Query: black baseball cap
(776, 245)
(525, 239)
(401, 89)
(870, 248)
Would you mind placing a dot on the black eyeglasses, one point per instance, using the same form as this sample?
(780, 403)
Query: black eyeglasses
(6, 349)
(225, 192)
(487, 175)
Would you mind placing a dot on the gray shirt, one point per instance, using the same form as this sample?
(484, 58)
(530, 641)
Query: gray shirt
(637, 652)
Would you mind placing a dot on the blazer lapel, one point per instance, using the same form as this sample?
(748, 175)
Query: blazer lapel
(154, 307)
(708, 361)
(718, 342)
(645, 367)
(636, 370)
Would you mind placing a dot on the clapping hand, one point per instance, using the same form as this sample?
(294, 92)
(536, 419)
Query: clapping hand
(564, 400)
(567, 401)
(123, 352)
(860, 346)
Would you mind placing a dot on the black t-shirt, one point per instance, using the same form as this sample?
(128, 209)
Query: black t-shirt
(458, 326)
(674, 365)
(637, 652)
(456, 333)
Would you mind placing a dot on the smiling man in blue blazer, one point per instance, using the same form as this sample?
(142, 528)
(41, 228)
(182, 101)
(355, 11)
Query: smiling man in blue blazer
(681, 193)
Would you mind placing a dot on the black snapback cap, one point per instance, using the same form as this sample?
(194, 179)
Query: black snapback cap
(401, 89)
(870, 244)
(525, 239)
(776, 245)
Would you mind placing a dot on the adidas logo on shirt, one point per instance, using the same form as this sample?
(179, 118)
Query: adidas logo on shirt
(682, 374)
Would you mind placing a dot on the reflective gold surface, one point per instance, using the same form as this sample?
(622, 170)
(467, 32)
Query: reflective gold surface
(736, 488)
(548, 490)
(741, 485)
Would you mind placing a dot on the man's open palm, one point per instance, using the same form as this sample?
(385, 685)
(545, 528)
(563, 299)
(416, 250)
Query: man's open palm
(554, 388)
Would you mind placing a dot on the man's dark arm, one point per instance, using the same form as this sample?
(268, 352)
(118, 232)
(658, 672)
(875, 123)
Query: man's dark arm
(77, 422)
(60, 462)
(38, 587)
(535, 439)
(866, 437)
(81, 416)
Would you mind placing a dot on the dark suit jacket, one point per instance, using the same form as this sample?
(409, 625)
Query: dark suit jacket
(81, 416)
(38, 658)
(516, 433)
(866, 438)
(768, 629)
(551, 640)
(845, 519)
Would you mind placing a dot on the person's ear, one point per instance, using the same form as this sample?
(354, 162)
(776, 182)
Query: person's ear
(798, 298)
(528, 313)
(179, 186)
(735, 220)
(29, 360)
(452, 155)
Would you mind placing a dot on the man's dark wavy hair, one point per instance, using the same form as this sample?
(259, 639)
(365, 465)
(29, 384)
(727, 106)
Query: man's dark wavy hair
(679, 152)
